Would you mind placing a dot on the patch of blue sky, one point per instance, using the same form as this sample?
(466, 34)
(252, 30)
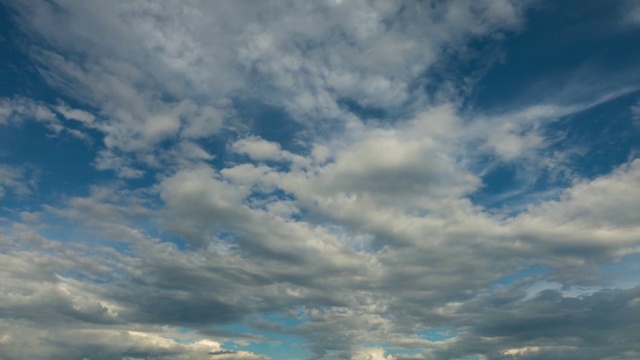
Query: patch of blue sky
(502, 186)
(364, 112)
(183, 330)
(275, 345)
(624, 273)
(592, 143)
(603, 136)
(18, 76)
(438, 334)
(554, 56)
(550, 67)
(509, 190)
(223, 237)
(529, 272)
(286, 321)
(63, 161)
(270, 123)
(166, 236)
(259, 199)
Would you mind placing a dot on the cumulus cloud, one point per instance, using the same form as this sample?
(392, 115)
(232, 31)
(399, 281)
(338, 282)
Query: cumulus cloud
(357, 228)
(592, 218)
(259, 149)
(372, 354)
(149, 83)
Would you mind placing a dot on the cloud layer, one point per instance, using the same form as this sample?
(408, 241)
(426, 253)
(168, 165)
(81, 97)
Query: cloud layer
(308, 176)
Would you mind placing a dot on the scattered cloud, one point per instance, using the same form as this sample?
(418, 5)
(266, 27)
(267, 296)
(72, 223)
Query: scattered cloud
(19, 181)
(309, 174)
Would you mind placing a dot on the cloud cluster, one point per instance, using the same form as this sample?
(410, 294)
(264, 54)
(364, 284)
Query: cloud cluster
(155, 73)
(360, 232)
(377, 272)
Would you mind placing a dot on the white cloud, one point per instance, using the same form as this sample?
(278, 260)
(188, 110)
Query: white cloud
(364, 229)
(591, 219)
(75, 114)
(258, 149)
(150, 84)
(372, 354)
(17, 110)
(519, 135)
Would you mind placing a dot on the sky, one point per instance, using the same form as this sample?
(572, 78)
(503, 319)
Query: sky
(327, 179)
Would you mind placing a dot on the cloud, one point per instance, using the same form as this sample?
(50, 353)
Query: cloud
(592, 218)
(17, 180)
(59, 316)
(359, 229)
(629, 13)
(463, 246)
(149, 84)
(259, 149)
(75, 114)
(17, 110)
(373, 296)
(372, 354)
(553, 326)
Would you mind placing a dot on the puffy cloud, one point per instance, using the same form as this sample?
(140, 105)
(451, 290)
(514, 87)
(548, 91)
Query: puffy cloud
(368, 296)
(361, 230)
(260, 149)
(592, 218)
(153, 72)
(372, 354)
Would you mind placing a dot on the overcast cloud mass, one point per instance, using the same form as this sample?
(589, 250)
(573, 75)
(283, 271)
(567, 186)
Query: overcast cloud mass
(330, 179)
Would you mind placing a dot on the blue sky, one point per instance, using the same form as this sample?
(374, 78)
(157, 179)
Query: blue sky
(359, 180)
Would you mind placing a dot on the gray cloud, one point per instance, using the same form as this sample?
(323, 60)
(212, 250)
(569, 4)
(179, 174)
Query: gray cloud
(365, 234)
